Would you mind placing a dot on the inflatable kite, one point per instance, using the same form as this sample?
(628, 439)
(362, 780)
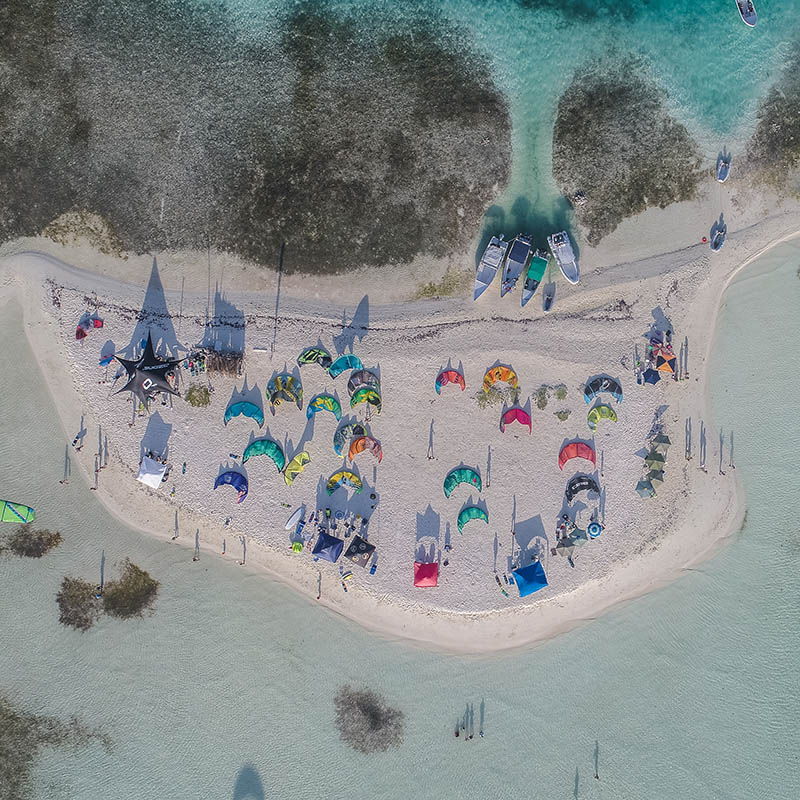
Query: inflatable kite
(315, 355)
(343, 478)
(602, 384)
(367, 443)
(295, 467)
(366, 394)
(600, 412)
(515, 415)
(344, 362)
(345, 433)
(468, 513)
(580, 483)
(246, 409)
(461, 475)
(284, 387)
(449, 376)
(15, 512)
(576, 450)
(235, 479)
(500, 375)
(265, 447)
(324, 402)
(361, 378)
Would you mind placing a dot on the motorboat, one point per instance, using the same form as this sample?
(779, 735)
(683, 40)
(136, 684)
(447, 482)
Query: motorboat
(561, 248)
(747, 11)
(723, 168)
(718, 239)
(515, 263)
(534, 275)
(490, 262)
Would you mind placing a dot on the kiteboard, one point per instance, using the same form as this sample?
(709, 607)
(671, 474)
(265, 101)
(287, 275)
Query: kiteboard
(15, 512)
(294, 519)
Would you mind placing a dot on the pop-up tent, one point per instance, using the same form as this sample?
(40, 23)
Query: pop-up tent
(426, 574)
(328, 547)
(360, 551)
(530, 579)
(151, 472)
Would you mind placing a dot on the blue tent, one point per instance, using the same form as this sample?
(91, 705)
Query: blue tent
(530, 579)
(328, 547)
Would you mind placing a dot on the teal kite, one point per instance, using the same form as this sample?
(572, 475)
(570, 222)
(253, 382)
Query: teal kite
(324, 402)
(344, 362)
(471, 512)
(246, 409)
(461, 475)
(265, 447)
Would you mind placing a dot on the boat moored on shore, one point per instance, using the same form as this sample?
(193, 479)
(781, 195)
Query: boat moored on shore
(534, 275)
(561, 248)
(516, 262)
(491, 261)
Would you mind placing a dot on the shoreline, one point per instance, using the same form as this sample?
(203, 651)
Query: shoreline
(465, 632)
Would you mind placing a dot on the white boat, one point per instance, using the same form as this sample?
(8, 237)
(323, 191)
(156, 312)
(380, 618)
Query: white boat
(534, 275)
(747, 11)
(515, 263)
(561, 248)
(491, 260)
(723, 168)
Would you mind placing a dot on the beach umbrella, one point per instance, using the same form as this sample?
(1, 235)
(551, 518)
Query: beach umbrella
(651, 376)
(594, 529)
(565, 547)
(655, 460)
(645, 489)
(661, 442)
(655, 477)
(665, 363)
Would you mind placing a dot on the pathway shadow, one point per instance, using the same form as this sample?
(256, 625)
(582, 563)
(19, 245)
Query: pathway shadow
(225, 329)
(155, 318)
(428, 524)
(357, 328)
(248, 784)
(531, 539)
(156, 436)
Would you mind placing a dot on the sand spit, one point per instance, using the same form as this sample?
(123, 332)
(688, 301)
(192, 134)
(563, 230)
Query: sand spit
(594, 329)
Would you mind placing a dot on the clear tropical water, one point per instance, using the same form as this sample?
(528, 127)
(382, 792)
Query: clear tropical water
(226, 691)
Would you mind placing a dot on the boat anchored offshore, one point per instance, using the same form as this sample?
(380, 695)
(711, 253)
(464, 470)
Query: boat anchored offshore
(491, 260)
(561, 248)
(515, 263)
(747, 11)
(534, 275)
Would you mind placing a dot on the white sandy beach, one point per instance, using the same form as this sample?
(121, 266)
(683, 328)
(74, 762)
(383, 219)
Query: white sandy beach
(648, 264)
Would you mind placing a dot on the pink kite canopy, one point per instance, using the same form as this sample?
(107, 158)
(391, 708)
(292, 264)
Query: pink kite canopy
(449, 376)
(576, 450)
(426, 574)
(515, 414)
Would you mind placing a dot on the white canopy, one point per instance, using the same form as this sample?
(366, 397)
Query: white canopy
(151, 472)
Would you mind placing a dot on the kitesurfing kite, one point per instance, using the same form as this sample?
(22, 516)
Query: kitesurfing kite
(500, 374)
(580, 483)
(602, 384)
(284, 387)
(361, 378)
(368, 444)
(15, 512)
(343, 478)
(515, 415)
(342, 363)
(295, 467)
(265, 447)
(365, 393)
(315, 355)
(234, 479)
(345, 433)
(324, 402)
(244, 408)
(468, 513)
(576, 450)
(599, 412)
(449, 376)
(461, 475)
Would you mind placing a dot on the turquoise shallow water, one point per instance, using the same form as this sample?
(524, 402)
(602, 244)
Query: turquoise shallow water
(227, 691)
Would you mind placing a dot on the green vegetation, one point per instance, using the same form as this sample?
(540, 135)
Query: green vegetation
(77, 604)
(497, 395)
(29, 543)
(133, 593)
(198, 396)
(560, 391)
(562, 416)
(648, 158)
(542, 396)
(452, 283)
(22, 737)
(366, 722)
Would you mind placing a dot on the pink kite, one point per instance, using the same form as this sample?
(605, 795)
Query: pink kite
(576, 450)
(516, 414)
(426, 574)
(449, 376)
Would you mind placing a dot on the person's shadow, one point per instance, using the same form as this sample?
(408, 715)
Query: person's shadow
(248, 784)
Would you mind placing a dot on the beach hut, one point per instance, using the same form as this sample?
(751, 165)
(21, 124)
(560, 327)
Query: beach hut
(328, 547)
(426, 574)
(530, 579)
(151, 472)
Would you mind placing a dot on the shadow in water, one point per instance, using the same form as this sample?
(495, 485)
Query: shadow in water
(248, 784)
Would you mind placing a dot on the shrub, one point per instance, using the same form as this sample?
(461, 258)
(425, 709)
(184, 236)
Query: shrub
(133, 593)
(366, 722)
(562, 415)
(542, 396)
(561, 391)
(78, 606)
(198, 396)
(32, 543)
